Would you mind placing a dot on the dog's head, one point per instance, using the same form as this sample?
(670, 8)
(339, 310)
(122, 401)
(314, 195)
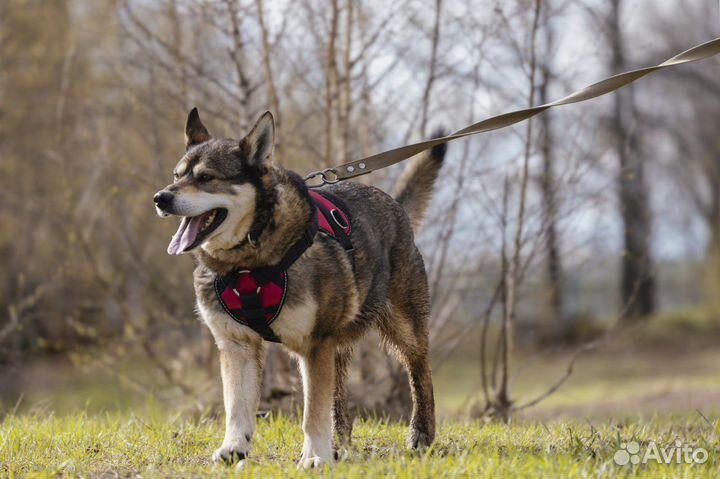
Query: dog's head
(216, 186)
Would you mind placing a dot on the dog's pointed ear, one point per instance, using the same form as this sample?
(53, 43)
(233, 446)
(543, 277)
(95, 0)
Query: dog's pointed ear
(195, 131)
(258, 145)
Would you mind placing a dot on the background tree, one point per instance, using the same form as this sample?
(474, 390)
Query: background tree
(637, 274)
(548, 187)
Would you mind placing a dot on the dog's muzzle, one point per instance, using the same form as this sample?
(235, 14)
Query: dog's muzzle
(163, 202)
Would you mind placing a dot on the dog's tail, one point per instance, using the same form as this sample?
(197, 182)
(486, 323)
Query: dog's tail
(414, 188)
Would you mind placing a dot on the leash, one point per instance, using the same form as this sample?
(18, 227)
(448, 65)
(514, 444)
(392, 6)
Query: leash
(378, 161)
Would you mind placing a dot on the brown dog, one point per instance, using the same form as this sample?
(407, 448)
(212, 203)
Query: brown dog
(241, 211)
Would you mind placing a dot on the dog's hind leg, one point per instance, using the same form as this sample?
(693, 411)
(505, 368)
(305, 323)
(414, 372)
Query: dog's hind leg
(317, 369)
(342, 419)
(404, 328)
(422, 421)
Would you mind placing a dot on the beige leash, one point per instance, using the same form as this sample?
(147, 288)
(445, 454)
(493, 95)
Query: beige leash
(388, 158)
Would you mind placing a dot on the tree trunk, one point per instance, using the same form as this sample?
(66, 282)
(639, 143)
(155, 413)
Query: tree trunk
(432, 72)
(637, 281)
(501, 405)
(269, 77)
(711, 267)
(554, 298)
(345, 94)
(331, 81)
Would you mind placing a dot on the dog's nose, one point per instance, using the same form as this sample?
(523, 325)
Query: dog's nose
(163, 199)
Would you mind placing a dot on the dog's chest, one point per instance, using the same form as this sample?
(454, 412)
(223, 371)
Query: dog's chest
(294, 323)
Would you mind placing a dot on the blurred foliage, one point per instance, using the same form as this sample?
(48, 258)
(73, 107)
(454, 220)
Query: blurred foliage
(93, 97)
(92, 103)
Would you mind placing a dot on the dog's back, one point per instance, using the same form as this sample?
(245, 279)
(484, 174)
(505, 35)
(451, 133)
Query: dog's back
(389, 269)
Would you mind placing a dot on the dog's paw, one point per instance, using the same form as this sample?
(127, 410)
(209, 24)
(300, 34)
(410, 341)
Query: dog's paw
(418, 439)
(312, 462)
(230, 454)
(341, 454)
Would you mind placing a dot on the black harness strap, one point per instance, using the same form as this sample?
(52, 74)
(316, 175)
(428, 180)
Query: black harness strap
(268, 273)
(254, 315)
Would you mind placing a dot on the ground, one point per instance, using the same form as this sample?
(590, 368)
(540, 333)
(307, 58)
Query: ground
(158, 446)
(655, 386)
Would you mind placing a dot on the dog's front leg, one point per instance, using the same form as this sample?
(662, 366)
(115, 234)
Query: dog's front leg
(241, 369)
(318, 374)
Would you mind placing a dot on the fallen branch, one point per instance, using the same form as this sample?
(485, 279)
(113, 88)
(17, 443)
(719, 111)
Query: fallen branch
(579, 352)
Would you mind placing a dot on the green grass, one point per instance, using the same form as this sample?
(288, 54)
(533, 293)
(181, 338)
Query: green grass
(158, 446)
(656, 383)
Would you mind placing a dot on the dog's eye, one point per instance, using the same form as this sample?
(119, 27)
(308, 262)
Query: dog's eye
(204, 178)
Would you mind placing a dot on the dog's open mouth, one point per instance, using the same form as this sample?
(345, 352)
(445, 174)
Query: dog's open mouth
(194, 229)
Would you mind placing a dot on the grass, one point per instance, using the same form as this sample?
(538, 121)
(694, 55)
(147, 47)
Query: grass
(657, 384)
(160, 446)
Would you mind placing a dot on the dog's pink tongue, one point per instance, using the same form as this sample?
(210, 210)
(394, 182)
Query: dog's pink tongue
(185, 235)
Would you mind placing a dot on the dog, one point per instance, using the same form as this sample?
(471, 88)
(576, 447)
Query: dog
(241, 211)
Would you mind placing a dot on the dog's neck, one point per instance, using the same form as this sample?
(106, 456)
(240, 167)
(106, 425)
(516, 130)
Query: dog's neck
(291, 216)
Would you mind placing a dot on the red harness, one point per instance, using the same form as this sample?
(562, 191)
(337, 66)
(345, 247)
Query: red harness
(255, 298)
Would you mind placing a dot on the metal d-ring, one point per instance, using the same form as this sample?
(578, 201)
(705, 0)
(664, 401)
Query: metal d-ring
(335, 214)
